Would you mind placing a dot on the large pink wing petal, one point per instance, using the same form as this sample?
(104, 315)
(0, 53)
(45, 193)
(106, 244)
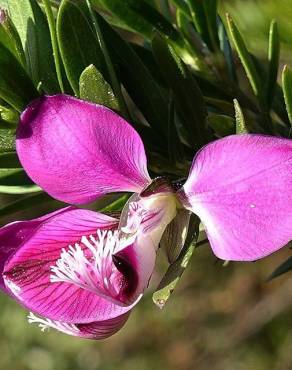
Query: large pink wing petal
(78, 151)
(27, 272)
(241, 188)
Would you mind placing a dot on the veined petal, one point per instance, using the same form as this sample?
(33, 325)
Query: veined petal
(94, 330)
(142, 223)
(57, 281)
(241, 188)
(147, 217)
(78, 151)
(14, 234)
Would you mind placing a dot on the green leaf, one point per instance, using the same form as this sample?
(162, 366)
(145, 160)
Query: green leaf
(141, 17)
(222, 125)
(16, 87)
(7, 140)
(241, 127)
(25, 204)
(279, 104)
(136, 79)
(211, 9)
(146, 56)
(197, 46)
(286, 266)
(135, 21)
(15, 181)
(33, 30)
(19, 189)
(213, 90)
(175, 148)
(204, 15)
(274, 57)
(9, 37)
(221, 105)
(183, 7)
(161, 166)
(9, 160)
(110, 18)
(14, 176)
(117, 205)
(184, 89)
(226, 50)
(55, 46)
(94, 88)
(115, 83)
(9, 115)
(246, 60)
(184, 24)
(287, 90)
(163, 7)
(176, 269)
(78, 43)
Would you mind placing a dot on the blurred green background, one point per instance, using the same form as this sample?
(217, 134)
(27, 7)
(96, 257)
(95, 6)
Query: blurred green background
(253, 19)
(224, 318)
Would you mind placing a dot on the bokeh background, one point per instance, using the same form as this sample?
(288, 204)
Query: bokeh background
(219, 317)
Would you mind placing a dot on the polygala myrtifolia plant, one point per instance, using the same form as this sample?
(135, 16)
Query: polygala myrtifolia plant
(88, 90)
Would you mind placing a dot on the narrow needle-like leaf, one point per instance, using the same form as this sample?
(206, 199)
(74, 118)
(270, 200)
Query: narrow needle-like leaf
(52, 27)
(241, 127)
(184, 88)
(281, 269)
(273, 56)
(114, 80)
(287, 89)
(246, 59)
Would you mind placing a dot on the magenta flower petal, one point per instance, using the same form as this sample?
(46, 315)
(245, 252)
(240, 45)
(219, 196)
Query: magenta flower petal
(28, 273)
(241, 188)
(102, 329)
(78, 151)
(94, 330)
(142, 255)
(13, 235)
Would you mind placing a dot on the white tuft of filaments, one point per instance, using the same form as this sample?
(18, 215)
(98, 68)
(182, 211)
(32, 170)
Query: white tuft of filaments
(46, 324)
(92, 270)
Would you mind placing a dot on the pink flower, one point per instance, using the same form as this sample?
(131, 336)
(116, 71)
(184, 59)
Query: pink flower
(84, 271)
(65, 266)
